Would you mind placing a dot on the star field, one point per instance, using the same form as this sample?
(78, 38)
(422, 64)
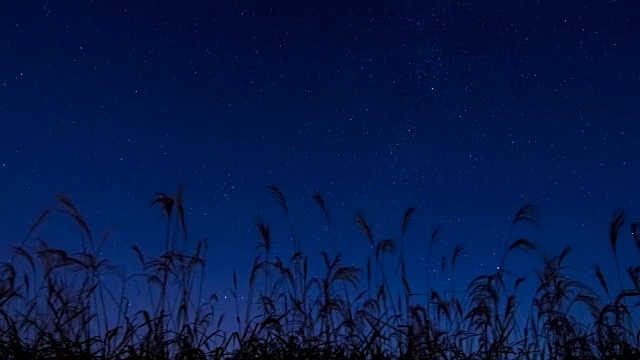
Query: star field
(464, 110)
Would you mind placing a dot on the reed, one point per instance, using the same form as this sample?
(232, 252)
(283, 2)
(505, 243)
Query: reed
(73, 303)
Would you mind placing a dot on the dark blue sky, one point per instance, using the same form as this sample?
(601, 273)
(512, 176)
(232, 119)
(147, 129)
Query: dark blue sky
(466, 110)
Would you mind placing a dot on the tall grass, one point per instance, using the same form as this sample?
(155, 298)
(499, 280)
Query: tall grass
(60, 304)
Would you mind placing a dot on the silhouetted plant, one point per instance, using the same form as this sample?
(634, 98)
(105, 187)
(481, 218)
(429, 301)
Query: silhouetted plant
(56, 303)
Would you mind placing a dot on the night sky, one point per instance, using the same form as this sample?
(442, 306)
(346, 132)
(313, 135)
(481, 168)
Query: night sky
(465, 110)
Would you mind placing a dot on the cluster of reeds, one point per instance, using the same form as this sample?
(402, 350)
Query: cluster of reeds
(55, 304)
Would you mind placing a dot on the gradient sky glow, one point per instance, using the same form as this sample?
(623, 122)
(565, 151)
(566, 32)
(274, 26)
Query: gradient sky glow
(465, 110)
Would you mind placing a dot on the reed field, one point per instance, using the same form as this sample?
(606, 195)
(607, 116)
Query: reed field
(55, 304)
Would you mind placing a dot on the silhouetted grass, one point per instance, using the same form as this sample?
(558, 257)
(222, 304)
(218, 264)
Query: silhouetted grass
(56, 304)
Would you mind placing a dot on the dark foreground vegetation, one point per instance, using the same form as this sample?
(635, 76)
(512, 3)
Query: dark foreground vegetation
(55, 304)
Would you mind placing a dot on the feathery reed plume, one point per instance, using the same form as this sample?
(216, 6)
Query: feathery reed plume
(265, 236)
(179, 203)
(165, 201)
(265, 244)
(364, 227)
(279, 196)
(614, 228)
(435, 234)
(69, 208)
(386, 246)
(406, 219)
(234, 294)
(524, 244)
(456, 253)
(320, 201)
(602, 280)
(617, 221)
(528, 213)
